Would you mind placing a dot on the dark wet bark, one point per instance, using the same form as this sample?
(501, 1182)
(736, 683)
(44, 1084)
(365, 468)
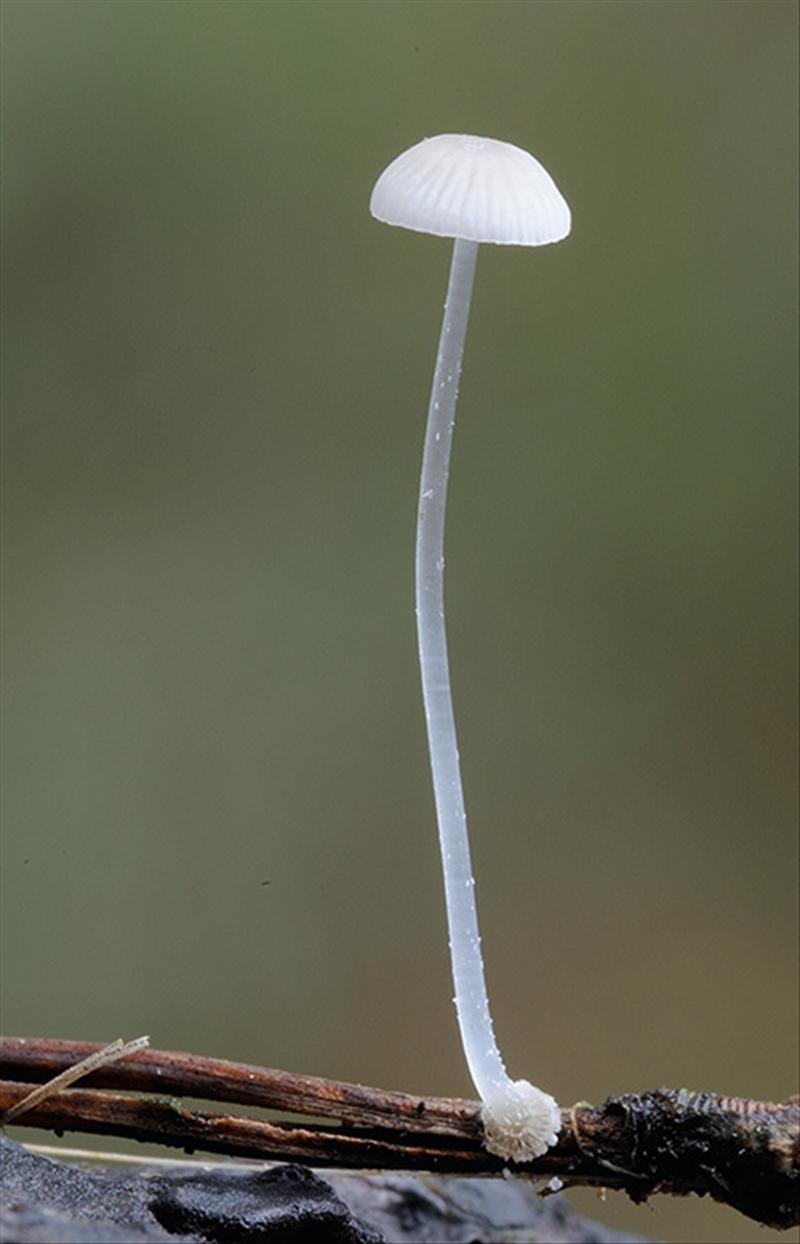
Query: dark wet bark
(742, 1153)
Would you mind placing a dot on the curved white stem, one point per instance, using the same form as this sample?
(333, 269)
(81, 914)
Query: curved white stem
(520, 1121)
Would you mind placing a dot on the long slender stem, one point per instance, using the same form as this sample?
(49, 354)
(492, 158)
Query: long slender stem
(520, 1121)
(472, 1004)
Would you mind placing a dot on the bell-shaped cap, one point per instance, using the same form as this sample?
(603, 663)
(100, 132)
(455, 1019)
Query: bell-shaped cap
(479, 189)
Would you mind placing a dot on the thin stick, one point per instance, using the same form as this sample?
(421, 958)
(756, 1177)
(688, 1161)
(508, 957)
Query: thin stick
(217, 1079)
(106, 1157)
(92, 1062)
(166, 1122)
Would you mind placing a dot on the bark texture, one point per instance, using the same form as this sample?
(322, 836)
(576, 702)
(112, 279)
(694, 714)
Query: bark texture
(742, 1153)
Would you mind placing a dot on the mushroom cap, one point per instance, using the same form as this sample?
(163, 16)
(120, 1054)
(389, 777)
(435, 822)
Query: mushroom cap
(479, 189)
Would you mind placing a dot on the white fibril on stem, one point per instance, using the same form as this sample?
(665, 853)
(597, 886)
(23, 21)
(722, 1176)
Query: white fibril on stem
(473, 190)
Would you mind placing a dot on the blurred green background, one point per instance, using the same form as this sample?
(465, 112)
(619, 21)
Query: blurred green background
(218, 825)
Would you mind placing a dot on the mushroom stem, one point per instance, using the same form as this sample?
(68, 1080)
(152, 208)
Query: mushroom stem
(520, 1121)
(472, 1004)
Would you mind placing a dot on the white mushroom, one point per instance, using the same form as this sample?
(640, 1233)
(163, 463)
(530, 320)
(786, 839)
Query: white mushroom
(473, 190)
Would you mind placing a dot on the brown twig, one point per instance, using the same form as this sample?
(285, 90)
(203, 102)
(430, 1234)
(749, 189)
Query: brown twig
(77, 1071)
(742, 1153)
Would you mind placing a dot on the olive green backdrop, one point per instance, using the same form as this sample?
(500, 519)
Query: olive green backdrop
(218, 826)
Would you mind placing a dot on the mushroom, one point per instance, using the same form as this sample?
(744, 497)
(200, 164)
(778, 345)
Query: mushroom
(473, 190)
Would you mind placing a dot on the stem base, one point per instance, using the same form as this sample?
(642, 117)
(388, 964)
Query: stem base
(520, 1122)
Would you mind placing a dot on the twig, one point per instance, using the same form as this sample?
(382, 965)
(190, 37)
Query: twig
(742, 1153)
(101, 1058)
(217, 1079)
